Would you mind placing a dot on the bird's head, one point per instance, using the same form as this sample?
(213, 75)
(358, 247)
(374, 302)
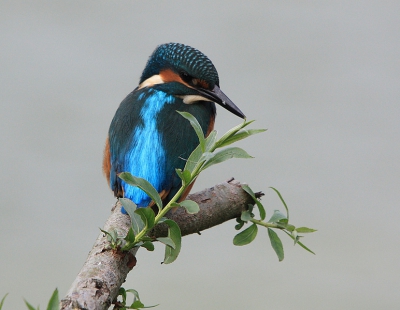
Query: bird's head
(188, 73)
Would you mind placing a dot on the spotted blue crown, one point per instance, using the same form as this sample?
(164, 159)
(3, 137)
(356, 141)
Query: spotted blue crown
(180, 57)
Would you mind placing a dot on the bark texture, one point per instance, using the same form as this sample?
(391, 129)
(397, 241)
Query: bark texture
(98, 282)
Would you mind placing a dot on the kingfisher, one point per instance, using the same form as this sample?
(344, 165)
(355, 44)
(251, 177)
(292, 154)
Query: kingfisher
(147, 137)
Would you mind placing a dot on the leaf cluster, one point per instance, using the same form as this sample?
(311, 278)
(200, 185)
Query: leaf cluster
(53, 304)
(144, 219)
(123, 304)
(278, 220)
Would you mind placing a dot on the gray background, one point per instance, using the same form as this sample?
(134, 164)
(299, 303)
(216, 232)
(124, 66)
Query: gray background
(322, 76)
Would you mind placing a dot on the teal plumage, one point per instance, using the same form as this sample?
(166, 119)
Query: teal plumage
(147, 137)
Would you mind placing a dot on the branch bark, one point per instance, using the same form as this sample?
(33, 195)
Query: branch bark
(97, 284)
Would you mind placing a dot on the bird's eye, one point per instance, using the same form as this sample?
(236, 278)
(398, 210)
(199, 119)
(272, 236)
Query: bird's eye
(185, 77)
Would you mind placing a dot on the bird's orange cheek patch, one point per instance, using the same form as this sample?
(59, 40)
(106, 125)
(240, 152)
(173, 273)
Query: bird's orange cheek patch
(202, 84)
(170, 76)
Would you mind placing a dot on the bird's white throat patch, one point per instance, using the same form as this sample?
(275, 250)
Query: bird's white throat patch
(189, 99)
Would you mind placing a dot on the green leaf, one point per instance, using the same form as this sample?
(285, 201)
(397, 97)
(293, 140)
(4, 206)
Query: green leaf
(174, 232)
(136, 219)
(246, 216)
(295, 236)
(246, 236)
(114, 234)
(240, 223)
(191, 206)
(144, 185)
(193, 159)
(30, 307)
(180, 174)
(277, 217)
(128, 205)
(185, 176)
(250, 208)
(232, 132)
(240, 136)
(261, 208)
(167, 241)
(109, 236)
(276, 244)
(137, 223)
(198, 155)
(304, 247)
(163, 219)
(146, 307)
(210, 141)
(196, 126)
(134, 292)
(122, 292)
(137, 304)
(283, 201)
(206, 156)
(147, 215)
(149, 246)
(112, 237)
(130, 236)
(52, 305)
(304, 230)
(239, 226)
(299, 243)
(225, 154)
(54, 302)
(2, 301)
(289, 227)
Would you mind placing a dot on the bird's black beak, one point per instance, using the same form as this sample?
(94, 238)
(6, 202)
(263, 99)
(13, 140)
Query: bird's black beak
(216, 95)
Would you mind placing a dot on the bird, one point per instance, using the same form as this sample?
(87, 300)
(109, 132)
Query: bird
(147, 137)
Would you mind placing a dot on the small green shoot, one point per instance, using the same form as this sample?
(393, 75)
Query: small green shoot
(113, 238)
(278, 221)
(53, 304)
(136, 303)
(2, 301)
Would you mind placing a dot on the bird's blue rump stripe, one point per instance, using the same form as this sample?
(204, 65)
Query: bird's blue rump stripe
(146, 157)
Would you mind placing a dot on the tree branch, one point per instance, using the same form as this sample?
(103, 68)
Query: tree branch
(97, 284)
